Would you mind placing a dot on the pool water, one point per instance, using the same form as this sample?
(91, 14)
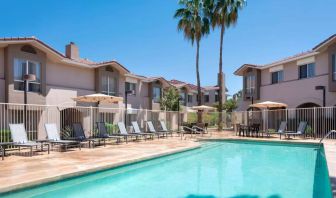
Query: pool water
(235, 169)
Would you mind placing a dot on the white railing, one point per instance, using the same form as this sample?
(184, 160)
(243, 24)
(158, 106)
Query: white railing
(320, 120)
(35, 116)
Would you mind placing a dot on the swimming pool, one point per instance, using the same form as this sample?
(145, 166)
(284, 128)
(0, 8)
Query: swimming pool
(218, 169)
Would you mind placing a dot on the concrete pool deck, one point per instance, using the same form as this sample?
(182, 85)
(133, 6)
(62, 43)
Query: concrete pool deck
(20, 171)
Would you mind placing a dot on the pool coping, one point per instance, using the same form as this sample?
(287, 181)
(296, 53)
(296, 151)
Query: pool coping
(24, 185)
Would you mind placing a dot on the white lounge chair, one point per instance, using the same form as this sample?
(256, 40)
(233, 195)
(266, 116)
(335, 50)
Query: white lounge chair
(20, 139)
(164, 128)
(152, 130)
(54, 138)
(123, 132)
(137, 130)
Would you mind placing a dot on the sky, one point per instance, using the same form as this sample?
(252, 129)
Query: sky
(142, 34)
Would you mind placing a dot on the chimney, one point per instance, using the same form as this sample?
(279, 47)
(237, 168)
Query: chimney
(72, 51)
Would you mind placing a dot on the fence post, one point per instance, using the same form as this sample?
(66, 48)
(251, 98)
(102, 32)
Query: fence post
(314, 123)
(91, 120)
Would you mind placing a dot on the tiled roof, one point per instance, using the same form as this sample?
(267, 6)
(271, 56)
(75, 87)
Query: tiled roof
(179, 84)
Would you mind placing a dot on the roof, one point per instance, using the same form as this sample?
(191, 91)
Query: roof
(181, 84)
(318, 46)
(61, 56)
(301, 55)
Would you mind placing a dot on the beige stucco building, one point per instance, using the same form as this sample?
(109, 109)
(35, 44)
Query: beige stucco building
(61, 77)
(293, 80)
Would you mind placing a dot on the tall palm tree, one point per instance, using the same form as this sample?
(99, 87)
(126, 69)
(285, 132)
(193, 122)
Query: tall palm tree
(223, 14)
(195, 25)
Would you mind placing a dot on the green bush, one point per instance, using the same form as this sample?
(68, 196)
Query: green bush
(111, 128)
(5, 135)
(192, 118)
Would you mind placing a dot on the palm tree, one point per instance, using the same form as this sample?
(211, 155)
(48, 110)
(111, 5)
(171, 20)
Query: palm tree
(223, 14)
(195, 25)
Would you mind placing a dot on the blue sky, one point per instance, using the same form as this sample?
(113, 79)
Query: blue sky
(142, 34)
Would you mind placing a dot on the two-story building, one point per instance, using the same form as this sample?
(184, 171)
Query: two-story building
(188, 94)
(62, 77)
(297, 81)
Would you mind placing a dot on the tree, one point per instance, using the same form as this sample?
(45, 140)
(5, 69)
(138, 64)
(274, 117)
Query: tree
(223, 14)
(169, 101)
(230, 105)
(195, 25)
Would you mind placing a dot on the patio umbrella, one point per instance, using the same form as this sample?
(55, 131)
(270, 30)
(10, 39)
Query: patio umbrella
(98, 98)
(268, 104)
(202, 108)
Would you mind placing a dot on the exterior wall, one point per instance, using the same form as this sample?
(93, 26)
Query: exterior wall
(65, 83)
(2, 75)
(294, 91)
(140, 99)
(332, 83)
(15, 96)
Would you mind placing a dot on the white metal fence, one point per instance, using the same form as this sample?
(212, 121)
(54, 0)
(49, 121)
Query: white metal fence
(320, 119)
(35, 116)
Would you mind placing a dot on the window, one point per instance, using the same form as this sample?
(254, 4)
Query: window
(307, 71)
(250, 84)
(109, 83)
(333, 62)
(130, 87)
(190, 98)
(156, 94)
(182, 98)
(216, 96)
(206, 98)
(23, 67)
(277, 77)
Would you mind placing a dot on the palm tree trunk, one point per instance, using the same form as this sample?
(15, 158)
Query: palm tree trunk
(199, 98)
(220, 80)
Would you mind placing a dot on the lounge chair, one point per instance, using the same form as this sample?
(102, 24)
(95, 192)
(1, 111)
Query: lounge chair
(20, 139)
(123, 132)
(281, 130)
(54, 137)
(79, 135)
(299, 132)
(164, 128)
(103, 134)
(152, 130)
(137, 130)
(3, 146)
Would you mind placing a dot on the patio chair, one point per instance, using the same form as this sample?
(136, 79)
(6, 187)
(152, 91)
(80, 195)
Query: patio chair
(20, 139)
(151, 129)
(103, 134)
(123, 132)
(54, 138)
(137, 130)
(79, 135)
(164, 128)
(281, 129)
(299, 132)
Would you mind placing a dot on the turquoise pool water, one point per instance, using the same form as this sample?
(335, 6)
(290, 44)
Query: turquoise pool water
(235, 169)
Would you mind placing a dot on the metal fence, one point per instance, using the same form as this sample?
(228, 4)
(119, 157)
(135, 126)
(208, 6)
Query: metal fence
(36, 116)
(320, 120)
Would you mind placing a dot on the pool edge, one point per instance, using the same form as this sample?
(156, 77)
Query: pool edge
(28, 184)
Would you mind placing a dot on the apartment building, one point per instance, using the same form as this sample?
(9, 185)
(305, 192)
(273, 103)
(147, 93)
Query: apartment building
(188, 94)
(298, 80)
(61, 77)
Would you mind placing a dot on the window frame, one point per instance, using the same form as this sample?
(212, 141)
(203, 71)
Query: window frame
(128, 87)
(109, 76)
(207, 98)
(333, 66)
(38, 74)
(307, 72)
(250, 84)
(156, 99)
(279, 77)
(190, 98)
